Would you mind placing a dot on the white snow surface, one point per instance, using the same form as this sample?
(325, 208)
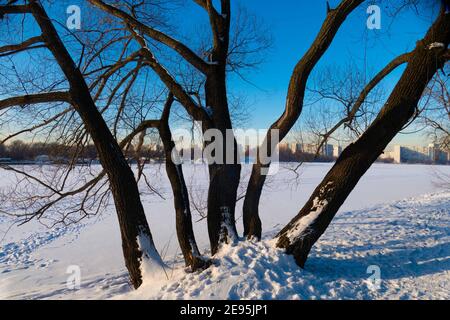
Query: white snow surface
(397, 218)
(152, 265)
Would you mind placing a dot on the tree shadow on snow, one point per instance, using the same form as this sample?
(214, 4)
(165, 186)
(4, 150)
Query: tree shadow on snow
(394, 262)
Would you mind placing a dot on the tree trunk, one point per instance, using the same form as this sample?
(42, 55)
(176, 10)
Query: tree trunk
(224, 178)
(293, 109)
(252, 222)
(137, 242)
(305, 229)
(222, 193)
(185, 232)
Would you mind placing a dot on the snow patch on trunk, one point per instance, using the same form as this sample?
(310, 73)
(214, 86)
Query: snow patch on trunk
(436, 45)
(302, 226)
(227, 224)
(194, 249)
(152, 266)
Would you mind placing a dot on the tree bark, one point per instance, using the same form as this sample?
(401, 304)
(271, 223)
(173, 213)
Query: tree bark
(304, 230)
(224, 177)
(185, 232)
(293, 109)
(137, 242)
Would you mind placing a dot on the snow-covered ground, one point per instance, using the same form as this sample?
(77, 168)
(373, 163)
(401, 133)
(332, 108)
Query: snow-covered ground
(396, 221)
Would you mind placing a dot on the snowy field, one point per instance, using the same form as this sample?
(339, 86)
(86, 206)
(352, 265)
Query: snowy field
(397, 219)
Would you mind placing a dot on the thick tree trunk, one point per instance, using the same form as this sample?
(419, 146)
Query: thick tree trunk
(185, 232)
(224, 177)
(305, 229)
(222, 194)
(137, 242)
(293, 109)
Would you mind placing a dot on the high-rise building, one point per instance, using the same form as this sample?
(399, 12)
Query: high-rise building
(296, 147)
(327, 150)
(411, 154)
(337, 150)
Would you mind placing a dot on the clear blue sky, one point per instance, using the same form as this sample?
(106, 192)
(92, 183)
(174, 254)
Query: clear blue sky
(294, 25)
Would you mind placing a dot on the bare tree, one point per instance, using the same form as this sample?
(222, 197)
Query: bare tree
(138, 246)
(357, 100)
(120, 89)
(222, 54)
(174, 170)
(426, 59)
(293, 109)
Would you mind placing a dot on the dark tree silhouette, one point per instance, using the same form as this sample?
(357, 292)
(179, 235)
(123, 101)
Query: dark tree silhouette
(133, 223)
(424, 61)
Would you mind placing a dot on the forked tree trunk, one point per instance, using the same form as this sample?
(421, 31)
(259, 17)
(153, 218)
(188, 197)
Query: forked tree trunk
(137, 242)
(185, 232)
(293, 109)
(305, 229)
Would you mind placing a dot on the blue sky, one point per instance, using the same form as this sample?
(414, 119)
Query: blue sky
(294, 25)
